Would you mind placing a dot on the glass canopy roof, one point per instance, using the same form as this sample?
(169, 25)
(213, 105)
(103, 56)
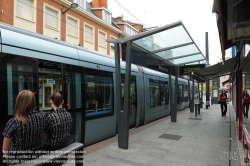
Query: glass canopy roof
(169, 45)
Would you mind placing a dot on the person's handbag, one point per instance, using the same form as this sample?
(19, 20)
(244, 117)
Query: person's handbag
(219, 102)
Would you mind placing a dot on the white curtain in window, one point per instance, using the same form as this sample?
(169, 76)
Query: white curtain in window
(88, 33)
(107, 17)
(51, 18)
(72, 27)
(24, 9)
(102, 39)
(81, 3)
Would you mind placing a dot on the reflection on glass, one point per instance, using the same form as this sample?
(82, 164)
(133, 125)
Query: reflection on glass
(188, 59)
(49, 82)
(19, 77)
(132, 101)
(168, 38)
(99, 98)
(158, 93)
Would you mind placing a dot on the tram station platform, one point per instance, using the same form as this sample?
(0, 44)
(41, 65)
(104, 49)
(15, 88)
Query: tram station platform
(206, 140)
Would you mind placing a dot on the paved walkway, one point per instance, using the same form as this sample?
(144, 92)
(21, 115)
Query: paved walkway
(202, 141)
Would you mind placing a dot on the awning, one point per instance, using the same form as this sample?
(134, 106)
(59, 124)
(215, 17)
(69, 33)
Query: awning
(167, 46)
(217, 70)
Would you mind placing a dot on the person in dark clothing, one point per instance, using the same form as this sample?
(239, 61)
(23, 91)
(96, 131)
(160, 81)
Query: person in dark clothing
(58, 126)
(223, 103)
(24, 130)
(246, 100)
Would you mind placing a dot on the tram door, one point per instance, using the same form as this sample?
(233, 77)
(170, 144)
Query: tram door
(16, 74)
(132, 101)
(64, 79)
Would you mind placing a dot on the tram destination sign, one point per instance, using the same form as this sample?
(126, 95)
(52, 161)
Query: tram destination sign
(188, 69)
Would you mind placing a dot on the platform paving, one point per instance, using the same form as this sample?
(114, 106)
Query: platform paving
(206, 140)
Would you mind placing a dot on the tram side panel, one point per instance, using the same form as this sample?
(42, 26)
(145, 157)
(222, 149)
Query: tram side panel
(99, 99)
(157, 96)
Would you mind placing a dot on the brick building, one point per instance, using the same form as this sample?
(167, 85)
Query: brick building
(88, 25)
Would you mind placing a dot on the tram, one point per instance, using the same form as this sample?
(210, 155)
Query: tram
(45, 65)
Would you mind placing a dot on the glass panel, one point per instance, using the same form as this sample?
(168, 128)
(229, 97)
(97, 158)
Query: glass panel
(99, 93)
(49, 82)
(51, 18)
(72, 93)
(72, 27)
(102, 39)
(168, 38)
(180, 51)
(17, 74)
(188, 59)
(88, 34)
(24, 9)
(193, 63)
(133, 103)
(158, 93)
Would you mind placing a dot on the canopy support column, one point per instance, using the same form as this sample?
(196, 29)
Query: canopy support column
(176, 96)
(123, 121)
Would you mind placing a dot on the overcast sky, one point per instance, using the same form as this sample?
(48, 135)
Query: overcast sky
(196, 16)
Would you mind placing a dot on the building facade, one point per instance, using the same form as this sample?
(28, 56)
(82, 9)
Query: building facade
(88, 25)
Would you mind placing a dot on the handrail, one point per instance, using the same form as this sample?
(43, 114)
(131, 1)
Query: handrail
(53, 155)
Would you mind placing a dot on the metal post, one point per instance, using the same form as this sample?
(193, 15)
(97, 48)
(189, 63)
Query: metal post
(198, 92)
(193, 97)
(236, 96)
(240, 116)
(239, 95)
(174, 110)
(170, 90)
(207, 82)
(196, 108)
(123, 136)
(120, 113)
(202, 94)
(189, 96)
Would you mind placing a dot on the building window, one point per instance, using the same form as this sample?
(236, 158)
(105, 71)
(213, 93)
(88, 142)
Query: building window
(106, 16)
(130, 30)
(81, 4)
(88, 34)
(24, 9)
(51, 18)
(72, 27)
(102, 39)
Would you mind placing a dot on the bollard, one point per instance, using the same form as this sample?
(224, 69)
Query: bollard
(212, 101)
(196, 105)
(199, 105)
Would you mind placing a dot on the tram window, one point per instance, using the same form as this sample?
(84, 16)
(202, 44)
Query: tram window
(99, 93)
(72, 87)
(158, 93)
(50, 81)
(17, 73)
(132, 98)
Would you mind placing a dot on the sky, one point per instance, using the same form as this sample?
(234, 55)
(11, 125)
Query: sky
(196, 15)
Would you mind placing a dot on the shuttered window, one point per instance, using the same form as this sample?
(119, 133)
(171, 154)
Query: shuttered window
(102, 39)
(72, 27)
(51, 18)
(24, 9)
(88, 34)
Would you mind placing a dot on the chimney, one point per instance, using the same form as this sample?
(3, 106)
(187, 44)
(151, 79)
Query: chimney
(100, 3)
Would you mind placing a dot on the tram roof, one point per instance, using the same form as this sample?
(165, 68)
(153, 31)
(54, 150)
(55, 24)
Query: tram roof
(169, 45)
